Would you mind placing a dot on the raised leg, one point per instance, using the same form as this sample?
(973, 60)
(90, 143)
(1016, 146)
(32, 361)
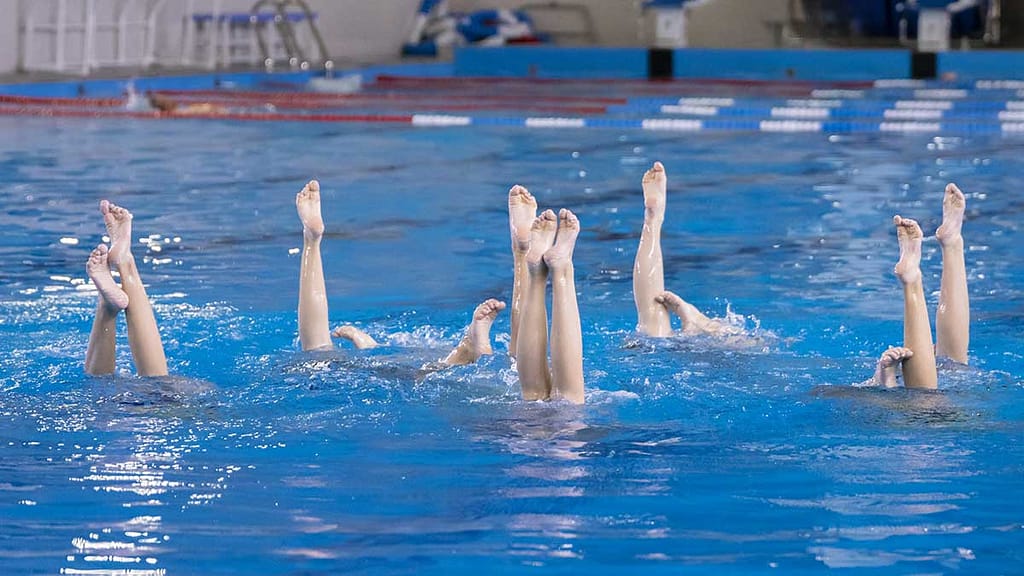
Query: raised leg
(522, 210)
(314, 329)
(101, 353)
(532, 346)
(357, 337)
(888, 362)
(648, 268)
(566, 334)
(143, 335)
(477, 341)
(919, 369)
(953, 316)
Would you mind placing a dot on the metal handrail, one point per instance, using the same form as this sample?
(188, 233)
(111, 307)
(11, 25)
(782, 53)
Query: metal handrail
(254, 14)
(993, 22)
(313, 28)
(286, 31)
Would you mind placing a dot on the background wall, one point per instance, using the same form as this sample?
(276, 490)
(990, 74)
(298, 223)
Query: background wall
(372, 31)
(8, 36)
(736, 23)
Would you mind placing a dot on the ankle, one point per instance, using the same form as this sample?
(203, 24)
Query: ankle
(654, 216)
(951, 242)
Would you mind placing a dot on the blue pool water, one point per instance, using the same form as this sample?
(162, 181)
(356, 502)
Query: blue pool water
(690, 455)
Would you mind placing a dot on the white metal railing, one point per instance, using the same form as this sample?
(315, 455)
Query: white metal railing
(296, 51)
(70, 32)
(268, 32)
(200, 35)
(993, 22)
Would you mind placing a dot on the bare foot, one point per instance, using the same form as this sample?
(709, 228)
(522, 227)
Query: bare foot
(654, 185)
(307, 203)
(119, 228)
(673, 303)
(542, 236)
(479, 332)
(477, 341)
(953, 205)
(357, 337)
(99, 272)
(885, 370)
(522, 209)
(560, 254)
(908, 234)
(694, 321)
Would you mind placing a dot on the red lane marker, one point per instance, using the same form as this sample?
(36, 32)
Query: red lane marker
(82, 102)
(257, 117)
(376, 97)
(73, 112)
(431, 106)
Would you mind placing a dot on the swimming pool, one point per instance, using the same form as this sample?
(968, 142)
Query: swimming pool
(689, 455)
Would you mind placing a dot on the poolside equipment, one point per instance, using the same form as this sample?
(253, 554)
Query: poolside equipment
(81, 36)
(74, 40)
(272, 32)
(436, 28)
(840, 21)
(935, 22)
(669, 22)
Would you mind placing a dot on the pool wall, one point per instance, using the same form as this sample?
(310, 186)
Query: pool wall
(103, 88)
(600, 63)
(816, 65)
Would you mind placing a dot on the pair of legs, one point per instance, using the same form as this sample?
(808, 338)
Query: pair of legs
(653, 302)
(314, 327)
(143, 336)
(952, 317)
(542, 247)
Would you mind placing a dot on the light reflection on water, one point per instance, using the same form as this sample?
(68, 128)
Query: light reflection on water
(691, 453)
(144, 473)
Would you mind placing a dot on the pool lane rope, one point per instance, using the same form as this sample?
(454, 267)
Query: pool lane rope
(884, 107)
(320, 98)
(70, 102)
(652, 124)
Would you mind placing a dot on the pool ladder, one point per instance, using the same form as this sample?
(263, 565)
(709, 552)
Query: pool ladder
(283, 23)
